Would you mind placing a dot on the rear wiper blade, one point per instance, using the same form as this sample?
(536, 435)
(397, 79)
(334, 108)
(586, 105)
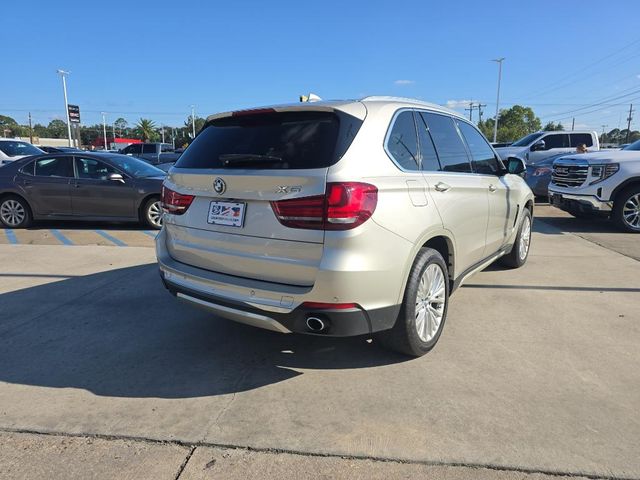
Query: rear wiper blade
(229, 159)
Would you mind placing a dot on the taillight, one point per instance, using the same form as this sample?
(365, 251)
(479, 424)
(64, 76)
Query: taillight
(344, 206)
(174, 202)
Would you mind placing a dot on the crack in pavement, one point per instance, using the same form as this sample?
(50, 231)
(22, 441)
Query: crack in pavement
(275, 451)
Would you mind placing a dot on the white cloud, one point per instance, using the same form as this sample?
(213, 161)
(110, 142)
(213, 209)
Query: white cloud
(459, 103)
(404, 82)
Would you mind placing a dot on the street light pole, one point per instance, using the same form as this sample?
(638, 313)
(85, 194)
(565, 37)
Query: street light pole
(66, 103)
(495, 123)
(104, 129)
(193, 121)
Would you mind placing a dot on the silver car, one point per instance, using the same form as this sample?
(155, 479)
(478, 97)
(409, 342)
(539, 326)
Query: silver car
(340, 218)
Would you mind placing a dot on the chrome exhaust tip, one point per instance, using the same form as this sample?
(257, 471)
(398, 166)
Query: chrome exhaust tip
(315, 324)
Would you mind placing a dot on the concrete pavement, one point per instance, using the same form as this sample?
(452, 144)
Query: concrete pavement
(537, 370)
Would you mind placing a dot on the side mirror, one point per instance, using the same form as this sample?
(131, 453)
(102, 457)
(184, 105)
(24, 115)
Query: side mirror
(539, 145)
(516, 166)
(115, 177)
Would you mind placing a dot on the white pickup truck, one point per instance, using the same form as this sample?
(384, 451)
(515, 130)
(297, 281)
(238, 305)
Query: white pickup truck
(540, 145)
(605, 183)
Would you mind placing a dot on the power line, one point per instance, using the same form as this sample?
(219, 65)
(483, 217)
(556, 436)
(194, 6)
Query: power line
(605, 100)
(546, 89)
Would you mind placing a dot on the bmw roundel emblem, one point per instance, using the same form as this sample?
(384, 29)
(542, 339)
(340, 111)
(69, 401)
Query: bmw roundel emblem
(219, 186)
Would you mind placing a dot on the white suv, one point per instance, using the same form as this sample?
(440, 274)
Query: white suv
(339, 218)
(12, 149)
(604, 183)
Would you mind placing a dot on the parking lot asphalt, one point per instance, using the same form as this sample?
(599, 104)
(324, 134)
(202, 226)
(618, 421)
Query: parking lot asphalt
(538, 370)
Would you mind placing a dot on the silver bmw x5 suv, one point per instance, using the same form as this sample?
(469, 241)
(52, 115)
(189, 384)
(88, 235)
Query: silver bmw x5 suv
(340, 218)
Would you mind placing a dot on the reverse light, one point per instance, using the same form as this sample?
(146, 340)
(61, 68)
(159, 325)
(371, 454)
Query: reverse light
(345, 205)
(602, 172)
(174, 202)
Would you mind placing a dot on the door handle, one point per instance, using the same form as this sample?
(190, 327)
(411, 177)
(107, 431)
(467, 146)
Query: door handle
(492, 188)
(442, 187)
(76, 185)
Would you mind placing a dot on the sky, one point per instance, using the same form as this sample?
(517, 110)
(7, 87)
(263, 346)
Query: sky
(155, 59)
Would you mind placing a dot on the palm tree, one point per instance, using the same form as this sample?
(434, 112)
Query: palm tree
(146, 129)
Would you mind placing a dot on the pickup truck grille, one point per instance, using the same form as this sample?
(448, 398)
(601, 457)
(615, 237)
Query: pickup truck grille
(569, 175)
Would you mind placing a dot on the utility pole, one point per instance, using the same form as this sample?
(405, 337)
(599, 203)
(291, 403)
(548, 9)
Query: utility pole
(173, 137)
(470, 109)
(573, 123)
(66, 103)
(480, 105)
(629, 118)
(30, 130)
(104, 129)
(163, 134)
(495, 123)
(193, 121)
(602, 138)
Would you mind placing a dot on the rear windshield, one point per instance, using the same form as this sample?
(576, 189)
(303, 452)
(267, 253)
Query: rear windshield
(272, 140)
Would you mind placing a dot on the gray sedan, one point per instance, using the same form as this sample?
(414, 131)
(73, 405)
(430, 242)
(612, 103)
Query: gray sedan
(80, 186)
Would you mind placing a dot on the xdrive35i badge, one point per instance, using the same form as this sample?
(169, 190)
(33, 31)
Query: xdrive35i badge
(219, 186)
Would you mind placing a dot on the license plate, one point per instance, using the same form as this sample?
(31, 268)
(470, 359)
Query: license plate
(228, 214)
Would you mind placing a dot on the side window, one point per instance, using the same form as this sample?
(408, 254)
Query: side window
(134, 148)
(580, 138)
(149, 148)
(93, 169)
(28, 168)
(402, 143)
(556, 140)
(451, 151)
(54, 167)
(428, 156)
(165, 148)
(484, 160)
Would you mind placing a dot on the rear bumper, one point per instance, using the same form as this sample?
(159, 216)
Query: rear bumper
(581, 203)
(267, 305)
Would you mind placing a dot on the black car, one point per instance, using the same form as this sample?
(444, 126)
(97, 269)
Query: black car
(82, 186)
(60, 149)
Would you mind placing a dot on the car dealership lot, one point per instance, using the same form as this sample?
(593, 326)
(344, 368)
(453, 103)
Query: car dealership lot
(537, 370)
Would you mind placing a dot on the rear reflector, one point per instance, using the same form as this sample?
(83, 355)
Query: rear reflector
(174, 202)
(344, 206)
(328, 306)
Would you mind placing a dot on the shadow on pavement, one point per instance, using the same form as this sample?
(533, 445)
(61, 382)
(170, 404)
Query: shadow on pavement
(81, 225)
(120, 334)
(580, 225)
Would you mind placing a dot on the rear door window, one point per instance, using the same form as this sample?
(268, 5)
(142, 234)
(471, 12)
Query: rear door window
(149, 148)
(272, 140)
(54, 167)
(484, 159)
(402, 142)
(580, 138)
(559, 140)
(428, 156)
(451, 150)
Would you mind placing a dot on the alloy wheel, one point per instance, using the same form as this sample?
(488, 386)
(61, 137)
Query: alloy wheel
(154, 214)
(430, 302)
(12, 213)
(631, 211)
(525, 238)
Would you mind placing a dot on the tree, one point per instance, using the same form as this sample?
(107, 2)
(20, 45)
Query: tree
(189, 127)
(57, 129)
(8, 126)
(553, 127)
(145, 128)
(120, 124)
(513, 123)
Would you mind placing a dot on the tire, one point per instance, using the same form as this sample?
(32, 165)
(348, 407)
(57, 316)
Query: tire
(152, 213)
(626, 209)
(428, 280)
(15, 212)
(519, 253)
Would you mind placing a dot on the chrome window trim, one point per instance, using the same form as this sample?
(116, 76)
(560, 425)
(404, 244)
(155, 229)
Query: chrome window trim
(392, 123)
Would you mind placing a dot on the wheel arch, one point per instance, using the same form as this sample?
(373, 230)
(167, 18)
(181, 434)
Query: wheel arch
(629, 182)
(144, 201)
(442, 242)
